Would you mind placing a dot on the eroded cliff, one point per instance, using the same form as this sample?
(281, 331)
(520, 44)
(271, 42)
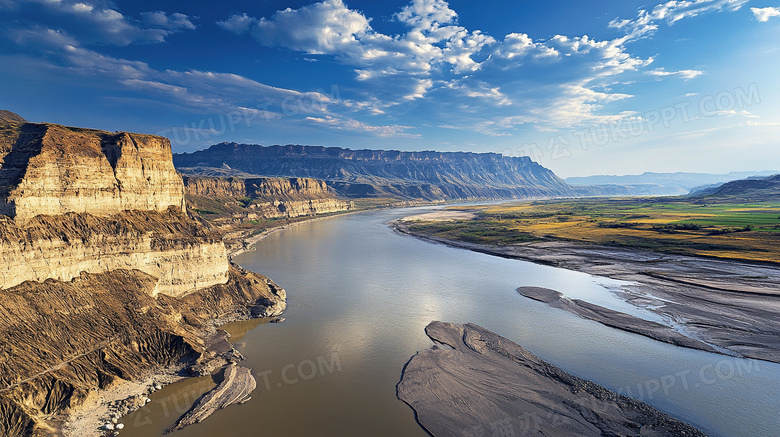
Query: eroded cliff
(52, 169)
(240, 200)
(104, 277)
(179, 252)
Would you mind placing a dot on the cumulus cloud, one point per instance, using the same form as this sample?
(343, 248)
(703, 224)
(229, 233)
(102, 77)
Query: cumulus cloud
(486, 84)
(237, 23)
(433, 41)
(437, 54)
(325, 27)
(764, 14)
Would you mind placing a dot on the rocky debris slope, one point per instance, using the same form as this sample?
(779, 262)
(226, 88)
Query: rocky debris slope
(417, 175)
(64, 340)
(481, 383)
(52, 169)
(235, 388)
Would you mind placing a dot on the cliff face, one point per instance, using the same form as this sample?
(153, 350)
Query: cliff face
(265, 188)
(182, 255)
(52, 169)
(418, 175)
(84, 200)
(263, 198)
(103, 275)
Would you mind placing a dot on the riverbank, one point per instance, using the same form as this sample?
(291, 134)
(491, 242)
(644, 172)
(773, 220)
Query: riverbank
(248, 243)
(110, 405)
(723, 306)
(208, 350)
(479, 383)
(103, 413)
(239, 244)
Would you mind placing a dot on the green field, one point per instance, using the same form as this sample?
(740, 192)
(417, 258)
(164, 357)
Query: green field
(749, 231)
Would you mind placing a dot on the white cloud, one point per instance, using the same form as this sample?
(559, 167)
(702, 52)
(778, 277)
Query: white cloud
(684, 74)
(325, 27)
(90, 23)
(427, 14)
(340, 123)
(407, 67)
(579, 105)
(520, 45)
(670, 12)
(175, 21)
(83, 7)
(329, 27)
(237, 23)
(206, 91)
(764, 14)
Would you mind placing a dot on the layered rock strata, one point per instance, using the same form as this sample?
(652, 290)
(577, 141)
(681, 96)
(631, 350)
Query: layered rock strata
(389, 173)
(181, 254)
(52, 169)
(264, 198)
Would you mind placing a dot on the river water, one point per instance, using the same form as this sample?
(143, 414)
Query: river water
(359, 298)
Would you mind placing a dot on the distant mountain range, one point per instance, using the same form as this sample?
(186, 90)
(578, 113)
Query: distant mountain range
(361, 173)
(428, 175)
(667, 183)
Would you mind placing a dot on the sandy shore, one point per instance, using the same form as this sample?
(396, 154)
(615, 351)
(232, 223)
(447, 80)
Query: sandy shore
(479, 383)
(115, 402)
(723, 306)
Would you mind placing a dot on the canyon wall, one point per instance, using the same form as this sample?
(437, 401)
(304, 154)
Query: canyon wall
(104, 276)
(52, 169)
(181, 254)
(83, 200)
(265, 188)
(263, 198)
(379, 173)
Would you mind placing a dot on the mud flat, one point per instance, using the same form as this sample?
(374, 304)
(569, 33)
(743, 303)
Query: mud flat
(475, 382)
(236, 386)
(722, 306)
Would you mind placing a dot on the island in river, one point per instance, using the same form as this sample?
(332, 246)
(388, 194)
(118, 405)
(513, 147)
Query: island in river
(715, 304)
(479, 383)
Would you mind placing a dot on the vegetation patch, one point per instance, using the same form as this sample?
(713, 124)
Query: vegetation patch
(748, 231)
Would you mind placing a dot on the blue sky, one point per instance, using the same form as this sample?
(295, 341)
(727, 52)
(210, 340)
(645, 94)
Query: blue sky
(583, 87)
